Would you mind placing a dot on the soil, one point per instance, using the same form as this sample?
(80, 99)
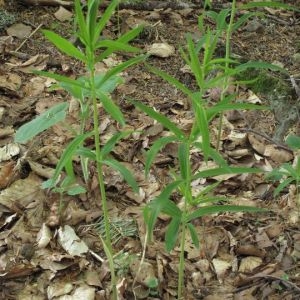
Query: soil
(241, 256)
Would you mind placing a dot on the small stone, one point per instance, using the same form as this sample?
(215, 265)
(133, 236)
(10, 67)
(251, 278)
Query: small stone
(254, 26)
(296, 58)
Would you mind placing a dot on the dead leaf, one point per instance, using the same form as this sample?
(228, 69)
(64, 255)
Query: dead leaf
(19, 30)
(63, 14)
(161, 50)
(249, 263)
(70, 242)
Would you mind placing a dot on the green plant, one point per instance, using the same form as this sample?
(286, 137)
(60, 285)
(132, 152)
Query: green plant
(209, 72)
(89, 90)
(288, 173)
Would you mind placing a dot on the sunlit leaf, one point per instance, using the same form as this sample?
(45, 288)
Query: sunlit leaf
(44, 121)
(64, 45)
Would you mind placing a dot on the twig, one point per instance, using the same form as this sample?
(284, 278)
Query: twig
(31, 34)
(295, 86)
(266, 138)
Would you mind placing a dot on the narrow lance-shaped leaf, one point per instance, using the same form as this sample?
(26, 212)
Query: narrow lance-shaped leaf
(275, 4)
(183, 157)
(209, 210)
(61, 78)
(119, 68)
(83, 32)
(110, 144)
(161, 119)
(172, 233)
(104, 19)
(44, 121)
(194, 234)
(171, 209)
(66, 157)
(194, 62)
(155, 148)
(153, 209)
(116, 46)
(123, 171)
(171, 80)
(87, 153)
(282, 185)
(201, 121)
(225, 170)
(91, 19)
(110, 107)
(125, 38)
(64, 45)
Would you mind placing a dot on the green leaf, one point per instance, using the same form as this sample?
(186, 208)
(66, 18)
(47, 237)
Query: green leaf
(76, 190)
(161, 119)
(109, 85)
(257, 65)
(283, 185)
(110, 144)
(83, 32)
(121, 67)
(225, 170)
(194, 62)
(194, 235)
(124, 172)
(125, 38)
(155, 148)
(153, 209)
(116, 46)
(86, 152)
(243, 19)
(269, 4)
(91, 19)
(104, 19)
(172, 233)
(171, 209)
(293, 142)
(44, 121)
(218, 108)
(64, 45)
(209, 210)
(183, 157)
(67, 157)
(60, 78)
(171, 80)
(203, 126)
(110, 107)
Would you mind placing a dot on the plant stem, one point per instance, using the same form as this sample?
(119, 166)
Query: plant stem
(187, 193)
(227, 56)
(181, 260)
(101, 178)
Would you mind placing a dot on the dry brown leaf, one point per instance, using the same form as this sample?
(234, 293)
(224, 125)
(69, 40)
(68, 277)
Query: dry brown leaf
(249, 263)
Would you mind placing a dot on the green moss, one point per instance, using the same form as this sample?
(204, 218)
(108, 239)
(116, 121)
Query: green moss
(265, 83)
(6, 19)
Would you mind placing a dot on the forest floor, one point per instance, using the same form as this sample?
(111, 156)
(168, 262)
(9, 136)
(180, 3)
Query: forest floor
(241, 256)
